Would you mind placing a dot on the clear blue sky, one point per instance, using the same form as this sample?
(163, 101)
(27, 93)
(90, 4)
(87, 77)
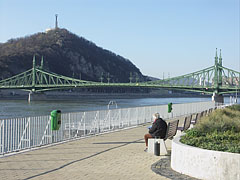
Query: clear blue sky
(158, 36)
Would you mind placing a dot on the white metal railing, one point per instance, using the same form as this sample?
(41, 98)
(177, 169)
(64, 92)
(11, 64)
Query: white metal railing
(24, 133)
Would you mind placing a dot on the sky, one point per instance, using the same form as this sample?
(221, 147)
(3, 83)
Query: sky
(161, 37)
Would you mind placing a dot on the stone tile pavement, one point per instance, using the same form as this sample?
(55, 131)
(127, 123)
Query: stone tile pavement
(116, 155)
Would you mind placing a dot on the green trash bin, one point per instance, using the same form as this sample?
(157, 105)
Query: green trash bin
(55, 119)
(169, 107)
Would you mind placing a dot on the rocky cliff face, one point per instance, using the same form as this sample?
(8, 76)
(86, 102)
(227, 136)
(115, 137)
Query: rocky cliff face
(66, 54)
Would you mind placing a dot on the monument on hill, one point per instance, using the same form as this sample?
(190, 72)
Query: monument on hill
(56, 22)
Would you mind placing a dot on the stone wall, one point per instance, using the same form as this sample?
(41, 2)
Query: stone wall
(204, 164)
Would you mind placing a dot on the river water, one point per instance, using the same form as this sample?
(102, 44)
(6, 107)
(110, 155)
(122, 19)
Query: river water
(21, 108)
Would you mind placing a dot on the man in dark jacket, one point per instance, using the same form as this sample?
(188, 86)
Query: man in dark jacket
(158, 129)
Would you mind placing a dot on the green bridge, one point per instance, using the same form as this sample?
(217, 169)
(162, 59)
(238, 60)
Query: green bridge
(216, 80)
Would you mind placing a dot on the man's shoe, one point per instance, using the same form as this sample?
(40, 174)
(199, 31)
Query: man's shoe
(146, 150)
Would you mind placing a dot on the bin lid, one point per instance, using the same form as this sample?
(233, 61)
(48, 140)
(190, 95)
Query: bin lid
(54, 112)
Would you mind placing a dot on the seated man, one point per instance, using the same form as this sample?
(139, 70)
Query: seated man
(158, 129)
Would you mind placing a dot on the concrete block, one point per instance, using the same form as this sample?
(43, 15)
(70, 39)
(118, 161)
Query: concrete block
(204, 164)
(163, 148)
(151, 142)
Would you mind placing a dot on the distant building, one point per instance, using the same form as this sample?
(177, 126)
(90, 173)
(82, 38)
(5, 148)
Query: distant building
(48, 29)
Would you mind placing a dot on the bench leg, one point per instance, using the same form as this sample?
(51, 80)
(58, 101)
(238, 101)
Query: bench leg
(163, 147)
(179, 133)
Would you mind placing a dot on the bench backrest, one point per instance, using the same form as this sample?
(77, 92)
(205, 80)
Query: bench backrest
(184, 123)
(198, 116)
(210, 111)
(187, 122)
(171, 129)
(205, 112)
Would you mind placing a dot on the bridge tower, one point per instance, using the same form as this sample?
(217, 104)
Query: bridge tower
(217, 81)
(33, 74)
(33, 95)
(33, 79)
(41, 63)
(41, 67)
(220, 69)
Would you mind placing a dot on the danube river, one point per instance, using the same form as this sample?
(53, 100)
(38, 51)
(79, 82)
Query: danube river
(21, 108)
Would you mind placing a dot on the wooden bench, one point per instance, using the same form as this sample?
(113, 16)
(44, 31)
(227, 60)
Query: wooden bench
(171, 129)
(205, 113)
(171, 132)
(198, 116)
(186, 123)
(195, 120)
(210, 111)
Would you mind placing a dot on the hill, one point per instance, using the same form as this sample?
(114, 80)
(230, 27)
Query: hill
(67, 54)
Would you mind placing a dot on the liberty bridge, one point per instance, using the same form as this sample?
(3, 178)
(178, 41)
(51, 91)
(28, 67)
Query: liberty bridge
(216, 80)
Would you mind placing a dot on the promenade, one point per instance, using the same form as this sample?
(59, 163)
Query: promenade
(115, 155)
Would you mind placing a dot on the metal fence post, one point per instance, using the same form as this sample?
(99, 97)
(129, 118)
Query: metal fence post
(8, 134)
(84, 125)
(144, 114)
(51, 135)
(69, 126)
(29, 131)
(3, 138)
(119, 117)
(98, 122)
(109, 119)
(137, 117)
(128, 117)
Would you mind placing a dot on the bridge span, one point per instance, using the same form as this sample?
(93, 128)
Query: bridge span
(216, 80)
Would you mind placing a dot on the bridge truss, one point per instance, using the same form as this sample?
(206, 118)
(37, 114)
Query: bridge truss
(215, 79)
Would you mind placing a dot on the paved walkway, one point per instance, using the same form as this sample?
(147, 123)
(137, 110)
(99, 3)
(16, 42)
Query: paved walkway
(117, 155)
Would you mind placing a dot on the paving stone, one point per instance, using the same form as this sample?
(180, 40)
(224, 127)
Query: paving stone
(116, 155)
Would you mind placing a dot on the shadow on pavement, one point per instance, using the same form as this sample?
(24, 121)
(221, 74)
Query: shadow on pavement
(162, 167)
(119, 143)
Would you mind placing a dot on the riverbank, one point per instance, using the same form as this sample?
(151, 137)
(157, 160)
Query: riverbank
(22, 108)
(69, 95)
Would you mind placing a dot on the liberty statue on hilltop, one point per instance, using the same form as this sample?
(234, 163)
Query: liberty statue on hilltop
(56, 22)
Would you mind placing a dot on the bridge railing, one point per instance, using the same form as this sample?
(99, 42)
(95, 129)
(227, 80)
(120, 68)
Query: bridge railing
(25, 133)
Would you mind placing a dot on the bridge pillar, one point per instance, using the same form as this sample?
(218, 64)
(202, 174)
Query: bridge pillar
(33, 96)
(218, 98)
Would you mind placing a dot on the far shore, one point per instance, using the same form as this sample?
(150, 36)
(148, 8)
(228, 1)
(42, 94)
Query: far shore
(12, 95)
